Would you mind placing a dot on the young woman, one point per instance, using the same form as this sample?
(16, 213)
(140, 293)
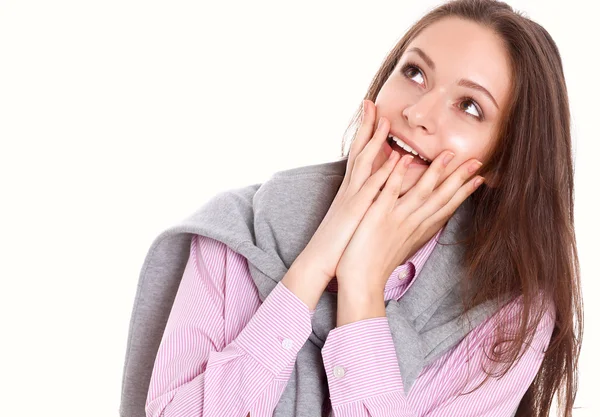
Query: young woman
(476, 91)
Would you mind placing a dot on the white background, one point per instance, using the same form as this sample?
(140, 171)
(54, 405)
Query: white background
(120, 118)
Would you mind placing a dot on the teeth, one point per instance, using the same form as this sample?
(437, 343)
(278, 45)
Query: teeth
(407, 148)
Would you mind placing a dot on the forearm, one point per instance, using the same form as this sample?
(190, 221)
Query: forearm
(356, 304)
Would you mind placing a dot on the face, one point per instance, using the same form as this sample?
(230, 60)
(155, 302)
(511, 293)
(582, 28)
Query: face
(427, 104)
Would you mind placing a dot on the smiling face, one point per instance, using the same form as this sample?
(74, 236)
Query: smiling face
(432, 100)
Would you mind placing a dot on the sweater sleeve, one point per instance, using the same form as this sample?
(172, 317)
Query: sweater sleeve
(196, 374)
(365, 381)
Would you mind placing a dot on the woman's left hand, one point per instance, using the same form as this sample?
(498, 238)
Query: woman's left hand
(394, 228)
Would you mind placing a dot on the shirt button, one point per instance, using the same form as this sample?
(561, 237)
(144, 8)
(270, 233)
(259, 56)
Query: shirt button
(287, 344)
(403, 274)
(339, 371)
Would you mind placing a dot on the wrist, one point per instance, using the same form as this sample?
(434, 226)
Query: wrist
(308, 285)
(305, 268)
(356, 304)
(360, 294)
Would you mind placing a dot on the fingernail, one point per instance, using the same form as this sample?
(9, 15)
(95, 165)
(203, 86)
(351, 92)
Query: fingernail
(448, 158)
(478, 182)
(364, 103)
(380, 122)
(474, 166)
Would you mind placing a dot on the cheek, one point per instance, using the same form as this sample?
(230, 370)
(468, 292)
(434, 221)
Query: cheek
(467, 144)
(395, 94)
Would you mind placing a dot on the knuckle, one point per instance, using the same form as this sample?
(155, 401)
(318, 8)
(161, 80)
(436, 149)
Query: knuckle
(373, 181)
(397, 177)
(380, 176)
(395, 188)
(420, 230)
(440, 168)
(421, 194)
(360, 159)
(442, 213)
(410, 223)
(363, 132)
(465, 172)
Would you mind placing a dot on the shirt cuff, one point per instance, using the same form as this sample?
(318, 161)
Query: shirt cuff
(277, 331)
(360, 361)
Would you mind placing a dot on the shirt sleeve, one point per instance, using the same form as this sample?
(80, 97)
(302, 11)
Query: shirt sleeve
(362, 370)
(196, 374)
(364, 376)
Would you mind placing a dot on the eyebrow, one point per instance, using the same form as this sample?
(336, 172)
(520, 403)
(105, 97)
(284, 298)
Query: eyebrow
(463, 82)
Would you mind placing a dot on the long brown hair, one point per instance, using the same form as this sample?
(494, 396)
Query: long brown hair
(522, 231)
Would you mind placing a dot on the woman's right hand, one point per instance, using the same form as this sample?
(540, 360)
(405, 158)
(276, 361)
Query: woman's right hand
(360, 187)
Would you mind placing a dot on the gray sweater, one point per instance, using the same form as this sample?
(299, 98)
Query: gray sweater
(270, 224)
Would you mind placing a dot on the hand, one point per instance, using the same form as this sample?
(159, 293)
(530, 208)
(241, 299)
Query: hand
(361, 185)
(393, 228)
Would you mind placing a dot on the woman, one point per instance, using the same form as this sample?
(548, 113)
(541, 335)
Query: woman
(477, 83)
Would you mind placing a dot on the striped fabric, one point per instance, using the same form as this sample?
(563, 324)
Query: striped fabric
(224, 353)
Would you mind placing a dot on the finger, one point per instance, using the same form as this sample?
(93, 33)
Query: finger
(389, 195)
(373, 185)
(364, 134)
(420, 192)
(372, 148)
(363, 166)
(443, 214)
(458, 182)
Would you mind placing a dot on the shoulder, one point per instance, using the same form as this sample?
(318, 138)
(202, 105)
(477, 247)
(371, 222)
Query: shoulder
(507, 321)
(513, 312)
(213, 253)
(215, 261)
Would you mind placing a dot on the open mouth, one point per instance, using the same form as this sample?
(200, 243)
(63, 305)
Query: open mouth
(416, 160)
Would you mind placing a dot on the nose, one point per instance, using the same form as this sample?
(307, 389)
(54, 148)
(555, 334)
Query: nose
(424, 112)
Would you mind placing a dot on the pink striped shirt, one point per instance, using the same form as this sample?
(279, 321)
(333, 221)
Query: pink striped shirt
(224, 353)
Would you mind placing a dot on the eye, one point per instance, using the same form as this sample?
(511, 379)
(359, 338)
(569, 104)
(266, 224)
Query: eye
(472, 104)
(410, 69)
